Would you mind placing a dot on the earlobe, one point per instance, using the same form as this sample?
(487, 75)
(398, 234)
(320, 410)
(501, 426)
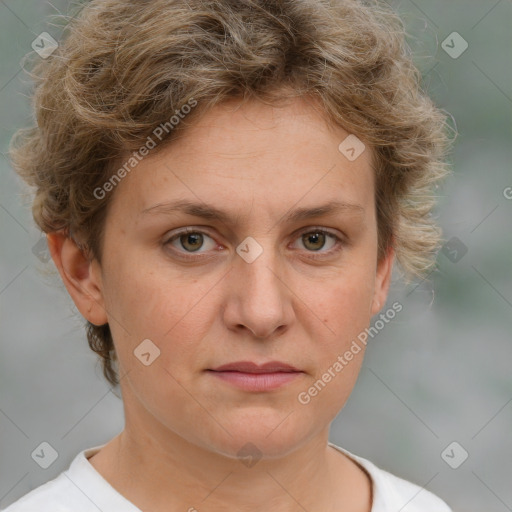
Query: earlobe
(80, 275)
(383, 280)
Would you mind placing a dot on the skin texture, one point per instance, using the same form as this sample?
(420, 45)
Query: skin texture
(185, 426)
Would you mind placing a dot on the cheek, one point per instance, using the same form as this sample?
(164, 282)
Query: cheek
(345, 306)
(167, 309)
(345, 309)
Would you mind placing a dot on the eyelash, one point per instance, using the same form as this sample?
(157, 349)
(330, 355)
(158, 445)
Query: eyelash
(339, 242)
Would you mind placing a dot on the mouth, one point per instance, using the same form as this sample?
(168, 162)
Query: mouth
(250, 376)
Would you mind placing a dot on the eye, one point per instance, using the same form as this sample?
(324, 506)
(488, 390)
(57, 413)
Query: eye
(190, 240)
(316, 239)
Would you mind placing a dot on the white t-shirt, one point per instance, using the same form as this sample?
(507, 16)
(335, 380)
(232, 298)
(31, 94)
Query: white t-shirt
(82, 489)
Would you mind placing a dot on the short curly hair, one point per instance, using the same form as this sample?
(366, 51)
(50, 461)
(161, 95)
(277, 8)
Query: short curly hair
(124, 67)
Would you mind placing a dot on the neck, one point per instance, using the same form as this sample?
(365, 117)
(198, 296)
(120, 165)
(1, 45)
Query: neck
(177, 475)
(158, 470)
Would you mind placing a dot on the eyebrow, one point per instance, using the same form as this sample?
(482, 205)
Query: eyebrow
(210, 212)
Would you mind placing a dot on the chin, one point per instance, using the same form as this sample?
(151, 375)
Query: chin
(260, 435)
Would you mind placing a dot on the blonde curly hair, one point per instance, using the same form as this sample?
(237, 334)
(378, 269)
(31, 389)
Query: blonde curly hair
(124, 67)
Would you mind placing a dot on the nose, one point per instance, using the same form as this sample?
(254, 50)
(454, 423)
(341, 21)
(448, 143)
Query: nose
(258, 297)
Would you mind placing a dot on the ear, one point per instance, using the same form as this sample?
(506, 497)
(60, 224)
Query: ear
(80, 275)
(382, 280)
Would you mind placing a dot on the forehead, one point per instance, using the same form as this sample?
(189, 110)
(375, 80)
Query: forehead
(252, 153)
(232, 130)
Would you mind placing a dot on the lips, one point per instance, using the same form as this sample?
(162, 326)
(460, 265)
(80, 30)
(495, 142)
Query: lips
(250, 367)
(249, 376)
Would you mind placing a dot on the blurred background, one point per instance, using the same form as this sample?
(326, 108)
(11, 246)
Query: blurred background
(433, 403)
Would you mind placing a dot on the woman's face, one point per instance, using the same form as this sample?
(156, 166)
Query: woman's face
(272, 280)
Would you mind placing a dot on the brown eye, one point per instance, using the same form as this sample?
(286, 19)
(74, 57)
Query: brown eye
(314, 240)
(191, 241)
(319, 243)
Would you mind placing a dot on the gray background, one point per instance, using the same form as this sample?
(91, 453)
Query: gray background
(438, 373)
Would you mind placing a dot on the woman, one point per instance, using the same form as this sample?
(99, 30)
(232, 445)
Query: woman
(225, 187)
